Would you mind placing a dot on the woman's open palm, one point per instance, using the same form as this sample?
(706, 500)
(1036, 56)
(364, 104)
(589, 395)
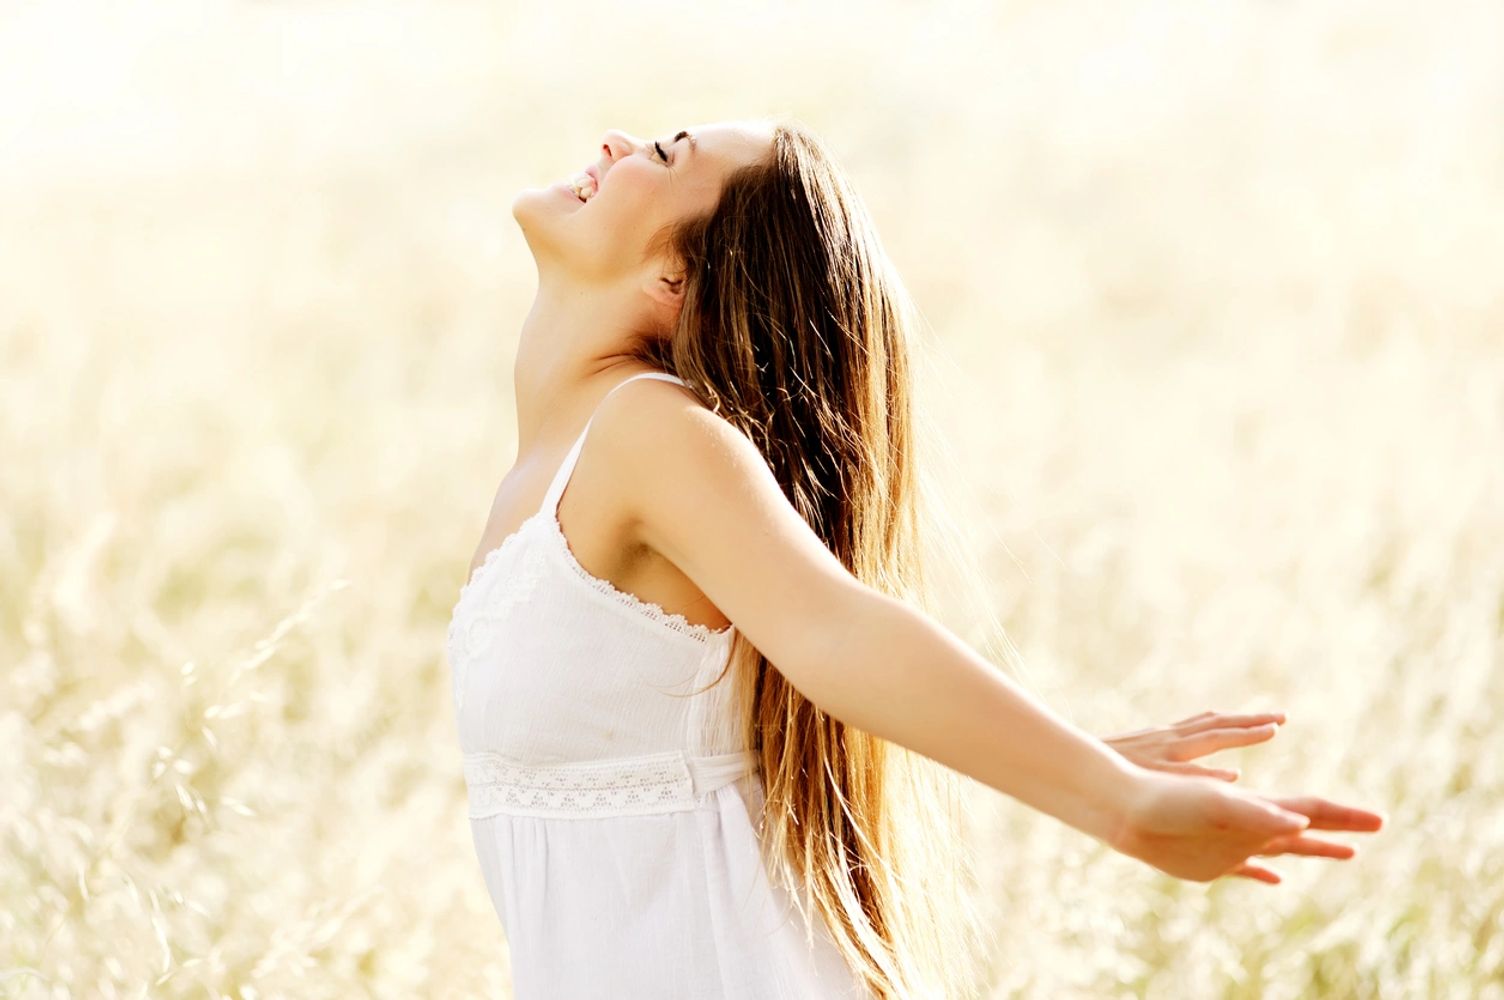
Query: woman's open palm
(1200, 828)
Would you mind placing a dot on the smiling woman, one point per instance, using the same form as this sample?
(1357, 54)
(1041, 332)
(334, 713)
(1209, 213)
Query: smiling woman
(641, 186)
(587, 184)
(710, 733)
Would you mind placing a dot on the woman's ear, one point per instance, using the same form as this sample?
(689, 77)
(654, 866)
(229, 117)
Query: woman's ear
(668, 289)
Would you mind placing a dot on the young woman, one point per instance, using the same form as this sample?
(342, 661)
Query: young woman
(695, 679)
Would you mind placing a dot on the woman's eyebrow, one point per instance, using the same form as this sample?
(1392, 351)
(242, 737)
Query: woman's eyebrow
(684, 134)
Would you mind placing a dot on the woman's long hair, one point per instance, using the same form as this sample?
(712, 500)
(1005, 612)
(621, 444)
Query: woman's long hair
(797, 331)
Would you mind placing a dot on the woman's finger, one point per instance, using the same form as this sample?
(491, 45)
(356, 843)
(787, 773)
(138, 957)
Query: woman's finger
(1328, 815)
(1310, 846)
(1259, 818)
(1211, 740)
(1257, 872)
(1193, 718)
(1217, 720)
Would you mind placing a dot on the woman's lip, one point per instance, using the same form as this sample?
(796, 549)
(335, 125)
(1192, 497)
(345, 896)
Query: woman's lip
(568, 188)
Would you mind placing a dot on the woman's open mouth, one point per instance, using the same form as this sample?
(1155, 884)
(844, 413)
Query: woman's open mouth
(584, 187)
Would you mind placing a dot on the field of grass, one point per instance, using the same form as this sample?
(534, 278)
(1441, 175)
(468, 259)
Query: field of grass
(1217, 317)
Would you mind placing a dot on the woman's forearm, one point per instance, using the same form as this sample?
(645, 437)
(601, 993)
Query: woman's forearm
(890, 669)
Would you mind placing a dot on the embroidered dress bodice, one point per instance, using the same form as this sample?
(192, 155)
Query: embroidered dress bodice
(610, 799)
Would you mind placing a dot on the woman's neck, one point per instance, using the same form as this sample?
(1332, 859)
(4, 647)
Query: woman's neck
(571, 352)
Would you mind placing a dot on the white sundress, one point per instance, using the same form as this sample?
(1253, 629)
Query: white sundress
(612, 812)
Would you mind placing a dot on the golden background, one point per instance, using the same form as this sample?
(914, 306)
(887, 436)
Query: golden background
(1218, 333)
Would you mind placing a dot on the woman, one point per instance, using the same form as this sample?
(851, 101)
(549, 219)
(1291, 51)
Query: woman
(698, 691)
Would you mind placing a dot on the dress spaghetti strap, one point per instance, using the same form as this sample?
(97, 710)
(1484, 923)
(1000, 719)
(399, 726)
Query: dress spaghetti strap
(561, 477)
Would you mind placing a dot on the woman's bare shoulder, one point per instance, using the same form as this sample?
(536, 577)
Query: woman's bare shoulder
(697, 491)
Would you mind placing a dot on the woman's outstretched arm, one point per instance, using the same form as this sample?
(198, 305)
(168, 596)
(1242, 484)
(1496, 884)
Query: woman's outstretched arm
(698, 492)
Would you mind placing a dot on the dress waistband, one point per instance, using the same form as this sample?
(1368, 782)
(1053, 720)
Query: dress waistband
(672, 781)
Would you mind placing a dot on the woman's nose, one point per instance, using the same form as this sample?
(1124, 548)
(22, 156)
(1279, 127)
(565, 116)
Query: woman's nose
(611, 143)
(615, 142)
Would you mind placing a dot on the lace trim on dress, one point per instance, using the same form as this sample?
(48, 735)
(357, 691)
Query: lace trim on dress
(484, 600)
(648, 609)
(653, 783)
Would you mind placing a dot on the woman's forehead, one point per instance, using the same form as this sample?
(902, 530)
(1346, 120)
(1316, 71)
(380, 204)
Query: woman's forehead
(731, 143)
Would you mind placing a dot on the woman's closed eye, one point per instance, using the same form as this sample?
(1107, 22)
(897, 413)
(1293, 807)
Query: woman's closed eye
(661, 153)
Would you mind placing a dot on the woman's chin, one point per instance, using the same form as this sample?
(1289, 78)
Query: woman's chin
(534, 204)
(558, 195)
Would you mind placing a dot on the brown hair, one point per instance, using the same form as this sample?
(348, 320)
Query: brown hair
(797, 331)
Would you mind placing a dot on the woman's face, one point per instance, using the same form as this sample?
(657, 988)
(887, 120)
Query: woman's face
(638, 185)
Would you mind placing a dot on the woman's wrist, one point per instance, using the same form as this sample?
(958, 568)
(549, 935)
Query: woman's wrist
(1110, 801)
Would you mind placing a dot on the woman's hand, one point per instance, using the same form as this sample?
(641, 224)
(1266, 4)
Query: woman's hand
(1168, 748)
(1199, 829)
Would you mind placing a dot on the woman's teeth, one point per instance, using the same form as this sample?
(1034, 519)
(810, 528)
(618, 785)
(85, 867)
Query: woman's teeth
(584, 187)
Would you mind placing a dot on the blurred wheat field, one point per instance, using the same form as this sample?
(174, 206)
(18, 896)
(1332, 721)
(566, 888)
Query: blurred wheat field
(1218, 349)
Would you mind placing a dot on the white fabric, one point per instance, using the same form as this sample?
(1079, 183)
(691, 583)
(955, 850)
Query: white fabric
(612, 812)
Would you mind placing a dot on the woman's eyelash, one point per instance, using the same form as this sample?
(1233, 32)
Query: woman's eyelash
(660, 151)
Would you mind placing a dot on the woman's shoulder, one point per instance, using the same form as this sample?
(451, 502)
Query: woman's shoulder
(642, 402)
(648, 415)
(695, 490)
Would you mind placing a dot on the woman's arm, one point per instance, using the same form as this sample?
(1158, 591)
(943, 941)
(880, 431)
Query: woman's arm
(698, 492)
(924, 688)
(892, 670)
